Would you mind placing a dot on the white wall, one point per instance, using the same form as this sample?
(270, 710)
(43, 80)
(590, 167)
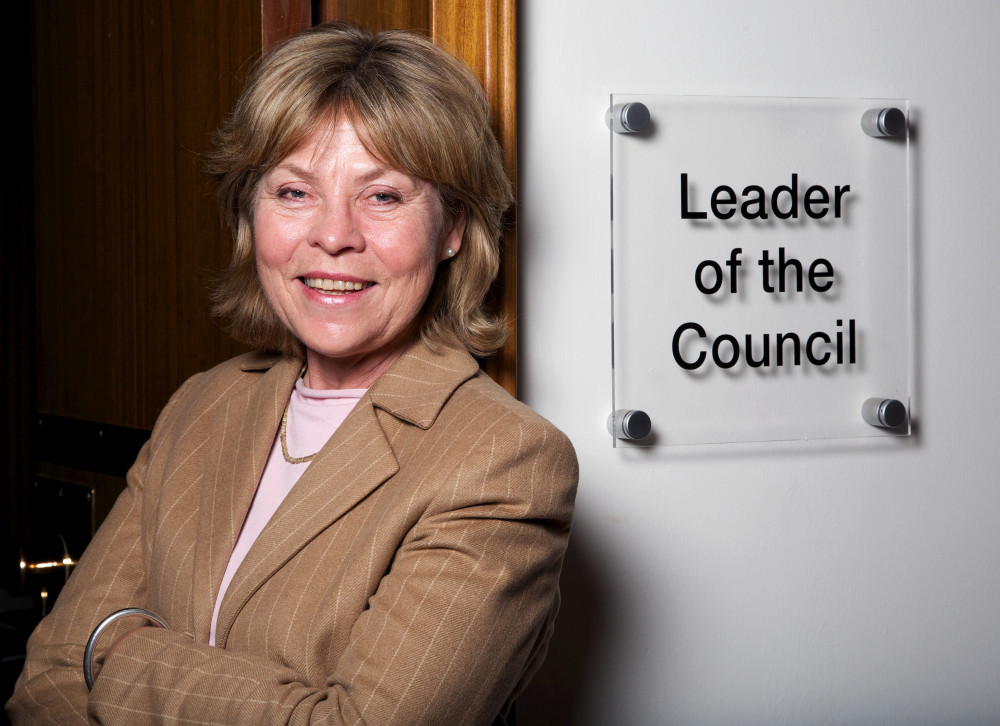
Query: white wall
(839, 582)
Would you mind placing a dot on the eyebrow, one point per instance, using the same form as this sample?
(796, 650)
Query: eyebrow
(364, 178)
(297, 170)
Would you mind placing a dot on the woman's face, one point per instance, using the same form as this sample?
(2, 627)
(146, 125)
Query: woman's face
(347, 248)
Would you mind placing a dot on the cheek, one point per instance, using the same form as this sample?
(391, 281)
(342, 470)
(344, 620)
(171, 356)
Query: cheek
(420, 265)
(432, 231)
(405, 250)
(273, 244)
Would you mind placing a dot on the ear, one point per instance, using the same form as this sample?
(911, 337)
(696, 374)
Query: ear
(454, 231)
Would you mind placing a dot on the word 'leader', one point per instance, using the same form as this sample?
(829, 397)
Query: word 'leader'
(783, 201)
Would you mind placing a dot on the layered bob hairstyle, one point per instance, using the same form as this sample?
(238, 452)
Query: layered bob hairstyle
(415, 108)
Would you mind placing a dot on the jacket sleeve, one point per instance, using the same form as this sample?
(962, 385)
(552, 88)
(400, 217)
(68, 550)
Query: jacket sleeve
(457, 624)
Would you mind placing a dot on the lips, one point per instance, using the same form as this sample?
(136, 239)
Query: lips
(335, 287)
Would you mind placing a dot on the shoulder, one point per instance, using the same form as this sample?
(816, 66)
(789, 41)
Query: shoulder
(246, 367)
(210, 390)
(231, 376)
(444, 393)
(494, 428)
(495, 408)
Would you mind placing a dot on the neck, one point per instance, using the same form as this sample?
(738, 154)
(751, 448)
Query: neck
(360, 371)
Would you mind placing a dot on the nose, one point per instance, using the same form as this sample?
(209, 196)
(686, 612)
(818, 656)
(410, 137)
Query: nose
(335, 229)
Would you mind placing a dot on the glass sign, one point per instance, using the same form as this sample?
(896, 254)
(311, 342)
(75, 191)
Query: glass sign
(760, 267)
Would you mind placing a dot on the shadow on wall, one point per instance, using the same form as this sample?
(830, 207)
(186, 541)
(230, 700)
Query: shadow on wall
(556, 695)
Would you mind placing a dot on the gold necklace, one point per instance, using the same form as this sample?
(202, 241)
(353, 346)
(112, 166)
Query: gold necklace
(284, 425)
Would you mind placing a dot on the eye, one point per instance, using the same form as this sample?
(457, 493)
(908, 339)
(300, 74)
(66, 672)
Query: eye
(384, 197)
(291, 193)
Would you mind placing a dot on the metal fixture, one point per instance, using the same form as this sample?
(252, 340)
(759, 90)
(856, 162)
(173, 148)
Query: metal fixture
(881, 122)
(887, 413)
(627, 118)
(629, 425)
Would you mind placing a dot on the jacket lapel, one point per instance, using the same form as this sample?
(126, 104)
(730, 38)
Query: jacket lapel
(356, 460)
(242, 433)
(418, 385)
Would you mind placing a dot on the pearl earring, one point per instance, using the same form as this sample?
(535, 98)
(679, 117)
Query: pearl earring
(450, 252)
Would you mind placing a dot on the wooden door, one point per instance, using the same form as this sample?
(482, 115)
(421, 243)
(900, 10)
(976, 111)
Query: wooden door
(126, 233)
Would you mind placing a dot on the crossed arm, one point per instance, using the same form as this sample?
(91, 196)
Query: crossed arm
(461, 615)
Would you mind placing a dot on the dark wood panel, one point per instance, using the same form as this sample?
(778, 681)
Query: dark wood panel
(281, 18)
(380, 14)
(127, 234)
(78, 209)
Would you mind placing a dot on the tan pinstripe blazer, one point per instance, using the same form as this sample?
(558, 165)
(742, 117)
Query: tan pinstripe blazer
(410, 577)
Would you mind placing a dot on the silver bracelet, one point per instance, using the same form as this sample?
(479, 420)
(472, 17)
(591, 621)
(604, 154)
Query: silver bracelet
(88, 654)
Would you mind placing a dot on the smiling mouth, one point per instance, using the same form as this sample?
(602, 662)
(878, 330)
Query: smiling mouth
(334, 287)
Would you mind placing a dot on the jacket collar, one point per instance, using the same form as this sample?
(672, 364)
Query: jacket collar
(415, 387)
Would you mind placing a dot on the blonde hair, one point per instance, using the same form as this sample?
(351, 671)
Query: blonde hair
(416, 108)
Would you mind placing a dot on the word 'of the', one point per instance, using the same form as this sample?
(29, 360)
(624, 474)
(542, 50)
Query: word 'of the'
(792, 275)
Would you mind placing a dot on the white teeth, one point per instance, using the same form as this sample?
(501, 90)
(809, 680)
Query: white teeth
(325, 284)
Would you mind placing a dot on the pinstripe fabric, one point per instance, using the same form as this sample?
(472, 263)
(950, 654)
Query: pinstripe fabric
(410, 577)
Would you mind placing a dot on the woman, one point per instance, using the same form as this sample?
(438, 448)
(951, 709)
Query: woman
(361, 527)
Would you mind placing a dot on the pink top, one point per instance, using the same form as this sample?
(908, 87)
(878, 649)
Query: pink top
(313, 416)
